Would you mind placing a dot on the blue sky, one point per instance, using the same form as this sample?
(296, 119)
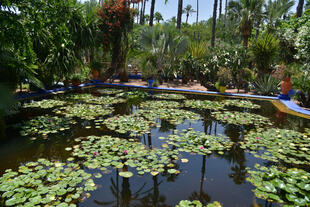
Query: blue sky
(170, 9)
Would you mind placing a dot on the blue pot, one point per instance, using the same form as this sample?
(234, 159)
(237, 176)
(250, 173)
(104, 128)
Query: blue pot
(150, 82)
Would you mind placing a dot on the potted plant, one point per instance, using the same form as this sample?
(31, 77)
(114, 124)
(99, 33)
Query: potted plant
(76, 79)
(95, 67)
(224, 77)
(284, 74)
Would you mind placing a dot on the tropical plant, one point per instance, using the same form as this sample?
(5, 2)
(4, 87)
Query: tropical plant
(263, 52)
(275, 10)
(188, 10)
(161, 46)
(247, 12)
(116, 20)
(267, 85)
(224, 76)
(158, 17)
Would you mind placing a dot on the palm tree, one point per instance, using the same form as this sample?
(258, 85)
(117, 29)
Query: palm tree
(214, 23)
(152, 13)
(188, 10)
(197, 14)
(299, 8)
(158, 17)
(247, 12)
(275, 10)
(147, 18)
(142, 15)
(220, 9)
(179, 16)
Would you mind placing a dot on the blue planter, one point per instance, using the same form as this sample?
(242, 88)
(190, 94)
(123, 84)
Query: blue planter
(150, 82)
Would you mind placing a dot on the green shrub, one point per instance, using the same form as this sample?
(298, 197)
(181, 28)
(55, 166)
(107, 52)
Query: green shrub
(263, 52)
(267, 86)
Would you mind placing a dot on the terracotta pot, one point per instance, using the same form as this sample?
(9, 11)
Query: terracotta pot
(95, 74)
(76, 82)
(286, 85)
(123, 76)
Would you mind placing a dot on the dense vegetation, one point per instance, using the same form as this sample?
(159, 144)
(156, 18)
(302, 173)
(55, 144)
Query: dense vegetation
(251, 44)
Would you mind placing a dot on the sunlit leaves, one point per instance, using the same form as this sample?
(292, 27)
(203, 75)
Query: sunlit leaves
(45, 183)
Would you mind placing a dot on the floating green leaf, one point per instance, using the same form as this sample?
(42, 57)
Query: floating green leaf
(44, 125)
(84, 111)
(45, 183)
(241, 118)
(279, 145)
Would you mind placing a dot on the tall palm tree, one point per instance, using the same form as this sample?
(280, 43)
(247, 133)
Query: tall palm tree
(247, 12)
(188, 10)
(275, 10)
(299, 8)
(152, 13)
(197, 14)
(142, 20)
(158, 17)
(214, 23)
(220, 9)
(179, 16)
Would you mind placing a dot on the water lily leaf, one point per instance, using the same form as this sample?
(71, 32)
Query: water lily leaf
(184, 160)
(126, 174)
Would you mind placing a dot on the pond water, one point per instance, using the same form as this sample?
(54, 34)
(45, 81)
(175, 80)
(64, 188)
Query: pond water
(217, 176)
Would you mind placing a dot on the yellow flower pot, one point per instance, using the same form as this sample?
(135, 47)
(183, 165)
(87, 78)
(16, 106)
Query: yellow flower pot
(222, 89)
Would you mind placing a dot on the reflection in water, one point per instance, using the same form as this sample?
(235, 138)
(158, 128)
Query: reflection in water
(203, 197)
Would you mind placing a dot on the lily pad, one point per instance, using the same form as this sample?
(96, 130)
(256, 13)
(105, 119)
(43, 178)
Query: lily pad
(84, 111)
(241, 118)
(282, 185)
(126, 174)
(44, 125)
(45, 104)
(44, 184)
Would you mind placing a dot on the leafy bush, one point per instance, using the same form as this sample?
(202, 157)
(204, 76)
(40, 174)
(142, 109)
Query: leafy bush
(263, 52)
(224, 76)
(267, 86)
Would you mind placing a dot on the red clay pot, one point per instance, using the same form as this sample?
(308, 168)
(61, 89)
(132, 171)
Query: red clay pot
(286, 85)
(76, 82)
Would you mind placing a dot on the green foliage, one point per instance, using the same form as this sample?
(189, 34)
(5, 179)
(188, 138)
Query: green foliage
(169, 96)
(267, 86)
(205, 104)
(44, 104)
(45, 183)
(45, 125)
(278, 145)
(84, 111)
(224, 76)
(263, 51)
(186, 203)
(241, 118)
(198, 142)
(133, 124)
(283, 185)
(161, 45)
(102, 152)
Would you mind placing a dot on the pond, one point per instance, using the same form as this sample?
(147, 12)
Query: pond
(115, 147)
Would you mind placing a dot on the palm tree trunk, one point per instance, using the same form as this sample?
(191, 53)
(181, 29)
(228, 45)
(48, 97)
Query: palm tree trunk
(197, 12)
(187, 17)
(142, 12)
(214, 23)
(138, 15)
(179, 18)
(299, 8)
(220, 11)
(152, 13)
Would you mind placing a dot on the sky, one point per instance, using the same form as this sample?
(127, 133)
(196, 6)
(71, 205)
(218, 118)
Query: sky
(170, 9)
